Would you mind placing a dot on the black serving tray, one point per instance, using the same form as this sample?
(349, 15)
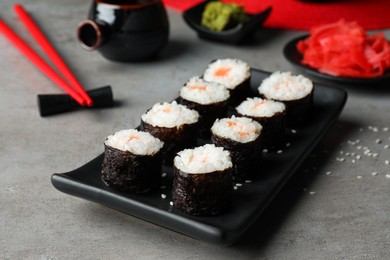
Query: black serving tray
(249, 200)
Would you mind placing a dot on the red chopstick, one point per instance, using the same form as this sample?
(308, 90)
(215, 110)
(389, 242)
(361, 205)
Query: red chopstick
(39, 62)
(51, 52)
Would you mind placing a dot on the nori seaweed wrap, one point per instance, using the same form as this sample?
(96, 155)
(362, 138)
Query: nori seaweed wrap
(298, 111)
(175, 138)
(234, 74)
(295, 91)
(241, 137)
(124, 170)
(208, 114)
(202, 191)
(210, 99)
(271, 116)
(174, 124)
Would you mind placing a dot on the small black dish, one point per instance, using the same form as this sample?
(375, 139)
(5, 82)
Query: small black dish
(233, 35)
(292, 54)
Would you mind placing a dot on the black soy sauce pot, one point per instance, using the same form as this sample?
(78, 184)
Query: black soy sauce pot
(125, 30)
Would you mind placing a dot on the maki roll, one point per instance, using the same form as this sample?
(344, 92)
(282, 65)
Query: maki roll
(240, 136)
(210, 99)
(132, 161)
(202, 180)
(271, 115)
(296, 91)
(174, 124)
(234, 74)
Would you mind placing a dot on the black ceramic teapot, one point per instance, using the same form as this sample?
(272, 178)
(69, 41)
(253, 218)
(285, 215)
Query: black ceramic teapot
(125, 30)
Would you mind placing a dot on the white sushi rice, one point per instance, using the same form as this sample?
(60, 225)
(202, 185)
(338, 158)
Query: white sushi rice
(229, 72)
(134, 141)
(239, 129)
(203, 92)
(204, 159)
(170, 115)
(284, 86)
(258, 107)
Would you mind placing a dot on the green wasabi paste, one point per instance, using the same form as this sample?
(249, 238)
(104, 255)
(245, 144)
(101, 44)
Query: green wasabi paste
(218, 16)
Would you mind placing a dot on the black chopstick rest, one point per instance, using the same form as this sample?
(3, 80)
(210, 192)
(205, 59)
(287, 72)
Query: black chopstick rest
(51, 104)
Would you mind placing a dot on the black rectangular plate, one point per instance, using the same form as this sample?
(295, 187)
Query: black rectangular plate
(249, 200)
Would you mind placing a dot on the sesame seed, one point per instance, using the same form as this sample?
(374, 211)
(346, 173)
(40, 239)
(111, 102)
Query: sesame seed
(171, 203)
(387, 175)
(288, 144)
(312, 192)
(279, 151)
(248, 181)
(353, 161)
(374, 173)
(386, 146)
(238, 184)
(328, 173)
(265, 150)
(385, 129)
(387, 162)
(358, 157)
(235, 188)
(373, 128)
(359, 177)
(293, 131)
(163, 196)
(359, 147)
(164, 174)
(163, 187)
(375, 155)
(378, 141)
(347, 154)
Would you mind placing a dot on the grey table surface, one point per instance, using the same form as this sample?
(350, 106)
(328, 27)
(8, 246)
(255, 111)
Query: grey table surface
(333, 209)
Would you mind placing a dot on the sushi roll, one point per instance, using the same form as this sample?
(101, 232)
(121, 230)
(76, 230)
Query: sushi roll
(132, 161)
(296, 91)
(202, 180)
(240, 136)
(174, 124)
(234, 74)
(271, 115)
(208, 98)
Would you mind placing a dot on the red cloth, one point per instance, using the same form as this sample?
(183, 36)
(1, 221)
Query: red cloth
(302, 15)
(181, 5)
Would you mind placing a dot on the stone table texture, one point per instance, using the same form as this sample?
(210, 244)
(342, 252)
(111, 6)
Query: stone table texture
(336, 207)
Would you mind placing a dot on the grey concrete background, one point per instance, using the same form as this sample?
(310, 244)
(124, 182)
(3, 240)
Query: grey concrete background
(341, 215)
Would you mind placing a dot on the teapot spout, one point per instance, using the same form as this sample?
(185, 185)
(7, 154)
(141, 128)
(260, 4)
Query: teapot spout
(91, 34)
